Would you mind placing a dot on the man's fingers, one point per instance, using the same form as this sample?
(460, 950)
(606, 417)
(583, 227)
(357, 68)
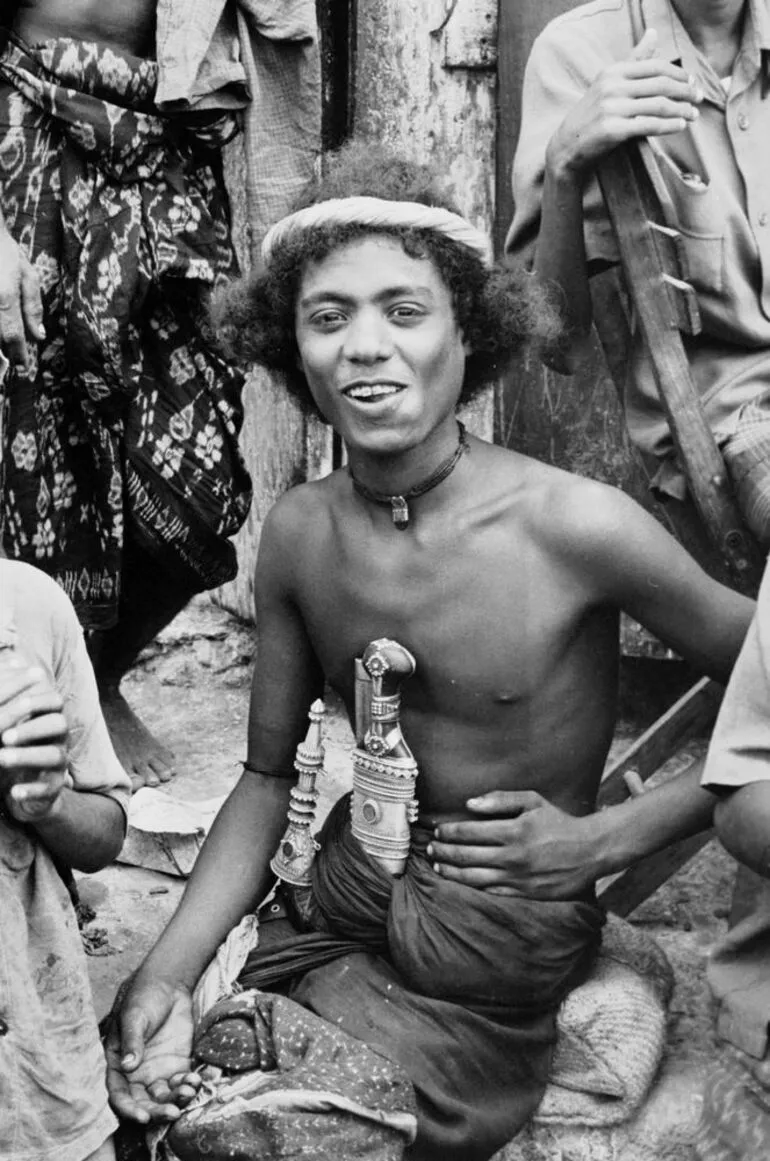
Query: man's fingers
(507, 803)
(464, 855)
(655, 127)
(160, 1091)
(185, 1093)
(133, 1035)
(42, 727)
(125, 1105)
(31, 302)
(133, 1102)
(653, 84)
(21, 307)
(661, 107)
(647, 46)
(481, 877)
(185, 1078)
(41, 758)
(12, 329)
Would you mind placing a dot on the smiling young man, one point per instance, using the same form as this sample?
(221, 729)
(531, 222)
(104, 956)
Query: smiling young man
(504, 579)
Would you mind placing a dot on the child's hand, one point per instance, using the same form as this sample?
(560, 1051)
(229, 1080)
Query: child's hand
(33, 743)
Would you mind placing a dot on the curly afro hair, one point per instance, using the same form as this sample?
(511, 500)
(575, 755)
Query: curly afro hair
(499, 311)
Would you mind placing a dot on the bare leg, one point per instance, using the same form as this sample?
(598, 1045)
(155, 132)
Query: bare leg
(150, 601)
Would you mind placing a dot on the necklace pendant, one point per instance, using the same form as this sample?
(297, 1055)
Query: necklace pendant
(399, 511)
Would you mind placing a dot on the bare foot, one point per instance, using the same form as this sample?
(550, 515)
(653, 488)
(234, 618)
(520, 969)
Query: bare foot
(146, 760)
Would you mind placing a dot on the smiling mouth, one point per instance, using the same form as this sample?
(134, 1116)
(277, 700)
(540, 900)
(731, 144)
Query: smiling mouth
(371, 392)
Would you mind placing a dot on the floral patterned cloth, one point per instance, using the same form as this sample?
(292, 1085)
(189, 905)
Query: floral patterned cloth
(126, 419)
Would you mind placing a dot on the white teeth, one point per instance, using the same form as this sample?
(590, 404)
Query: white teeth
(371, 391)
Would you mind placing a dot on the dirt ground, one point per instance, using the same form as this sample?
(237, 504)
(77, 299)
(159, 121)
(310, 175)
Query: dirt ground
(192, 687)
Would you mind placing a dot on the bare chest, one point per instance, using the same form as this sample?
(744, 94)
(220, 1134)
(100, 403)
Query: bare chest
(489, 620)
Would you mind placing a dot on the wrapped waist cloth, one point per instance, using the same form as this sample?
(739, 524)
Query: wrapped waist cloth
(457, 988)
(126, 415)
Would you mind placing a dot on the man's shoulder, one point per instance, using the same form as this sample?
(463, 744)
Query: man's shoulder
(548, 484)
(28, 594)
(573, 510)
(299, 517)
(603, 24)
(594, 12)
(305, 503)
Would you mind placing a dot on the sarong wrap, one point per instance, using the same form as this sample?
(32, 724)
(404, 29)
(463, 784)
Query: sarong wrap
(747, 456)
(127, 417)
(457, 988)
(735, 1119)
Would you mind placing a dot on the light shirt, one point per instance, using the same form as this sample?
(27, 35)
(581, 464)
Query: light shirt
(739, 968)
(717, 172)
(257, 55)
(53, 1098)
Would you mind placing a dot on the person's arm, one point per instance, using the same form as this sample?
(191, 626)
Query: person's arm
(742, 822)
(633, 98)
(633, 563)
(738, 762)
(520, 842)
(231, 873)
(83, 830)
(627, 559)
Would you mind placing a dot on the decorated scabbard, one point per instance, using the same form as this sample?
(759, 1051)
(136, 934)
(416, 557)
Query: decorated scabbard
(383, 804)
(297, 849)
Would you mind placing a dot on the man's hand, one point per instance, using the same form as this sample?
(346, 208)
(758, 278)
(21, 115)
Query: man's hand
(148, 1052)
(522, 845)
(642, 96)
(33, 753)
(21, 307)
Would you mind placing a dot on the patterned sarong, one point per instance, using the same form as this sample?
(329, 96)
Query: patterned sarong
(457, 988)
(747, 456)
(127, 422)
(735, 1122)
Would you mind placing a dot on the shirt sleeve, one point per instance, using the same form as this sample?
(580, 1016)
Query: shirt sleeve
(93, 764)
(563, 62)
(740, 747)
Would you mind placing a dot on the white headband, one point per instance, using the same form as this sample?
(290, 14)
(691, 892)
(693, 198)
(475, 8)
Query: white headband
(378, 213)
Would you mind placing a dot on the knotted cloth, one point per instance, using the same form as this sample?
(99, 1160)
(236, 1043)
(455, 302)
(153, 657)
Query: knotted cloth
(454, 987)
(378, 214)
(126, 418)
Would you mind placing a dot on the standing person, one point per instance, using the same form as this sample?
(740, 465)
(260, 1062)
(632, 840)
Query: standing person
(735, 1125)
(691, 75)
(504, 578)
(122, 473)
(63, 800)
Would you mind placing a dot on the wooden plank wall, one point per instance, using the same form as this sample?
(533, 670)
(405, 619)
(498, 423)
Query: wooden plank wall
(425, 83)
(281, 445)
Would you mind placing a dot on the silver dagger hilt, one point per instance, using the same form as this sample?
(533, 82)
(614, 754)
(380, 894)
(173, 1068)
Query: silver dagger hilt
(297, 849)
(383, 804)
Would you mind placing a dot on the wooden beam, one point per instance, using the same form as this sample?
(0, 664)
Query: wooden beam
(690, 716)
(630, 889)
(631, 203)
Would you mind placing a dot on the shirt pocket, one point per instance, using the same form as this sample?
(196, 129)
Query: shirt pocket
(700, 220)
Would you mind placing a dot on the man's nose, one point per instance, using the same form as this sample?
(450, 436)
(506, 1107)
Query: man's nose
(367, 338)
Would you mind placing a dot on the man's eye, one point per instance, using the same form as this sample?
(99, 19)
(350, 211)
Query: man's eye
(327, 319)
(406, 313)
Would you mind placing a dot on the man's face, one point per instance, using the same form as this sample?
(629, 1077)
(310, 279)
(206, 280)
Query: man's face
(379, 345)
